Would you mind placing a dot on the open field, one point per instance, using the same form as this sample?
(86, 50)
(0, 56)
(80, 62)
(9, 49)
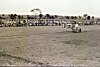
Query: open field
(49, 45)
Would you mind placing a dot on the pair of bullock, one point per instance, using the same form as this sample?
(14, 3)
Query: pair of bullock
(73, 26)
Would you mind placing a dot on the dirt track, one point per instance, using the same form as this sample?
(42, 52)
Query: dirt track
(49, 45)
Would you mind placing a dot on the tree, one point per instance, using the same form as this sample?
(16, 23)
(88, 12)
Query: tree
(67, 17)
(36, 12)
(19, 17)
(92, 17)
(30, 17)
(52, 17)
(3, 15)
(40, 16)
(88, 17)
(48, 16)
(56, 16)
(85, 16)
(75, 17)
(13, 16)
(72, 17)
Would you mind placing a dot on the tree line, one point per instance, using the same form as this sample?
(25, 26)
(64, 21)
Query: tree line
(47, 16)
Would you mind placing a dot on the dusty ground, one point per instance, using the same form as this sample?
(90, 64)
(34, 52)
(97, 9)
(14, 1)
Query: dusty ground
(49, 45)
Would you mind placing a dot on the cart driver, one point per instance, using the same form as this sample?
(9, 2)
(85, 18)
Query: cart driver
(75, 25)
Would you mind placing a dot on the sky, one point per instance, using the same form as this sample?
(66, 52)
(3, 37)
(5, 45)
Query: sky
(52, 7)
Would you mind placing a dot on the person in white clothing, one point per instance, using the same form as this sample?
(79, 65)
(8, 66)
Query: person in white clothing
(75, 25)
